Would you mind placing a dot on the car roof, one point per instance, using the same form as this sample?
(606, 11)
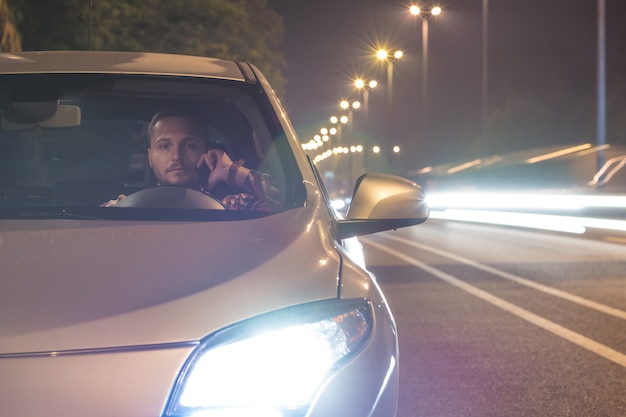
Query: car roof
(123, 63)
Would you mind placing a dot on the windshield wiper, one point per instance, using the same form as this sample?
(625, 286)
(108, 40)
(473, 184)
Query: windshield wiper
(127, 213)
(53, 214)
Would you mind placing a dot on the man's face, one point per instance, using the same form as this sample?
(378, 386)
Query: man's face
(176, 143)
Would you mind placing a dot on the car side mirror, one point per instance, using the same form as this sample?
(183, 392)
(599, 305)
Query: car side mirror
(383, 202)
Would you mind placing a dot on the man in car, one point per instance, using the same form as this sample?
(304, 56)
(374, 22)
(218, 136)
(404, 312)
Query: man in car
(179, 149)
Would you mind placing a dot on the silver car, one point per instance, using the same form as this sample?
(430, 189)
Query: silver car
(168, 303)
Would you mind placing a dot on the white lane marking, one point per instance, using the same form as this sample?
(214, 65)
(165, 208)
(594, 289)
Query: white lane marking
(517, 279)
(560, 331)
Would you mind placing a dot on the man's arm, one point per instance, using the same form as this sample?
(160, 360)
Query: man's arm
(263, 194)
(262, 191)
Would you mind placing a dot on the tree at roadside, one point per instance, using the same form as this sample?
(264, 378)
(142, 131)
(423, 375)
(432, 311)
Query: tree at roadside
(9, 38)
(247, 30)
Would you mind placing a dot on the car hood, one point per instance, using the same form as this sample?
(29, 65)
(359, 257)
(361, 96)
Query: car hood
(82, 284)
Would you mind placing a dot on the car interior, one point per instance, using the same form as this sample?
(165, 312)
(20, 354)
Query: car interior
(81, 140)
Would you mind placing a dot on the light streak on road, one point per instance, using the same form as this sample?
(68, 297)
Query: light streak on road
(533, 221)
(523, 201)
(568, 224)
(520, 210)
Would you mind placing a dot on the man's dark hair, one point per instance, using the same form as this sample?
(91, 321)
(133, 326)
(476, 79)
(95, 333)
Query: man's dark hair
(179, 111)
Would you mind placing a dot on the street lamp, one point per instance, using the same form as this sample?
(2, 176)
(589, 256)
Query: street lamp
(383, 55)
(346, 105)
(338, 122)
(349, 107)
(347, 120)
(364, 87)
(601, 80)
(425, 14)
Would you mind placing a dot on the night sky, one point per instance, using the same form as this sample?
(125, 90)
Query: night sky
(541, 74)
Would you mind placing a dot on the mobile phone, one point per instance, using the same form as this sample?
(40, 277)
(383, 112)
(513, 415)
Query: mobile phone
(203, 175)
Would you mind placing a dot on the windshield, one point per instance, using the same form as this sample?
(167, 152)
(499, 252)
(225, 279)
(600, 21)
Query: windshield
(73, 142)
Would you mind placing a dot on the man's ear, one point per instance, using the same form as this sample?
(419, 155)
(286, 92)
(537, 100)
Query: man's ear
(149, 158)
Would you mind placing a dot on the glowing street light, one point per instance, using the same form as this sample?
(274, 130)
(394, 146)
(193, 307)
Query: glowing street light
(364, 87)
(360, 83)
(416, 10)
(349, 107)
(337, 122)
(346, 105)
(425, 14)
(384, 55)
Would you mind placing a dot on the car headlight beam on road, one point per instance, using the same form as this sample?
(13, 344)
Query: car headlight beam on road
(271, 365)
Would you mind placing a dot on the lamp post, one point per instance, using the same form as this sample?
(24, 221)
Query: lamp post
(601, 99)
(349, 107)
(364, 87)
(383, 55)
(484, 143)
(337, 122)
(425, 14)
(336, 164)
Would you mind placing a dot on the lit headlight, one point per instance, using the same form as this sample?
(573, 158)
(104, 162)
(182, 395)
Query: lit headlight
(270, 365)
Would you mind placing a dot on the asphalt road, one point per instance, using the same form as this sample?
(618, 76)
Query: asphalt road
(501, 322)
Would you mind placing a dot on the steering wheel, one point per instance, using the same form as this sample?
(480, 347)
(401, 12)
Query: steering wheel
(170, 196)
